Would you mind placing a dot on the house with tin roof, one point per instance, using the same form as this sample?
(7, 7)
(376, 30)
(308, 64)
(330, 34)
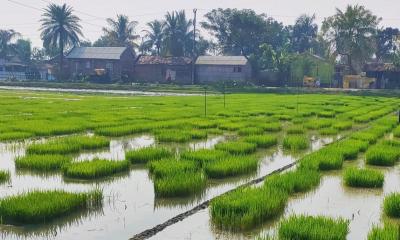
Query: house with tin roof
(115, 62)
(210, 69)
(158, 69)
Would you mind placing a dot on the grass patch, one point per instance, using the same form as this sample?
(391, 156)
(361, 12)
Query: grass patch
(262, 141)
(231, 166)
(66, 145)
(4, 176)
(204, 156)
(237, 148)
(43, 206)
(343, 125)
(302, 180)
(179, 136)
(391, 205)
(363, 178)
(382, 155)
(296, 142)
(180, 184)
(96, 168)
(46, 162)
(272, 127)
(12, 136)
(325, 159)
(246, 208)
(250, 131)
(328, 131)
(313, 228)
(295, 130)
(396, 132)
(169, 167)
(145, 155)
(388, 232)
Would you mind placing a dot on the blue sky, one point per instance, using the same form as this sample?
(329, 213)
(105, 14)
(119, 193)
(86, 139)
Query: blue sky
(93, 12)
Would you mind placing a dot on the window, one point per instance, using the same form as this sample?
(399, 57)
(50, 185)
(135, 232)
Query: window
(110, 67)
(88, 64)
(237, 69)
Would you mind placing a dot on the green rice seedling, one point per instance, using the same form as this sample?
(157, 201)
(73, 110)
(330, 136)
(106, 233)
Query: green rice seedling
(4, 176)
(38, 207)
(396, 132)
(46, 162)
(296, 142)
(237, 147)
(181, 184)
(124, 130)
(11, 136)
(326, 114)
(296, 129)
(328, 131)
(272, 127)
(392, 142)
(298, 181)
(388, 232)
(363, 178)
(173, 136)
(262, 141)
(382, 155)
(315, 124)
(250, 131)
(313, 228)
(96, 168)
(144, 155)
(204, 156)
(168, 167)
(343, 125)
(365, 136)
(246, 208)
(198, 134)
(325, 159)
(391, 205)
(67, 145)
(230, 126)
(350, 148)
(284, 117)
(231, 166)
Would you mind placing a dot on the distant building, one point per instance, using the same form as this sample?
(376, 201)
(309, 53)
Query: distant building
(211, 69)
(157, 69)
(13, 68)
(116, 62)
(387, 75)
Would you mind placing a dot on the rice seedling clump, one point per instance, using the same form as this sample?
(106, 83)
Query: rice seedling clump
(43, 206)
(237, 148)
(46, 162)
(148, 154)
(382, 155)
(296, 129)
(4, 176)
(246, 208)
(313, 228)
(181, 184)
(231, 166)
(272, 127)
(325, 159)
(363, 178)
(204, 156)
(96, 168)
(295, 142)
(250, 131)
(328, 131)
(262, 141)
(391, 205)
(388, 232)
(170, 167)
(301, 180)
(343, 125)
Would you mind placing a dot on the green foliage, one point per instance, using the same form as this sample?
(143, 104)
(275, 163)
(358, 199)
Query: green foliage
(382, 155)
(38, 207)
(231, 166)
(296, 142)
(4, 176)
(250, 131)
(237, 148)
(313, 228)
(388, 232)
(298, 181)
(169, 167)
(204, 156)
(94, 169)
(391, 205)
(46, 162)
(363, 178)
(296, 129)
(181, 184)
(262, 141)
(148, 154)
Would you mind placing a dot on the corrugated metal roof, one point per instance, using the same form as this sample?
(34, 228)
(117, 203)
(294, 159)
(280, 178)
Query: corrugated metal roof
(221, 60)
(111, 53)
(154, 60)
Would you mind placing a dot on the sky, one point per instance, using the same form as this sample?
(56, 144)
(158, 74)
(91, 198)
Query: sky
(24, 15)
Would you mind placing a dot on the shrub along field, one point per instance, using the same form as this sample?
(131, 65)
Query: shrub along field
(57, 131)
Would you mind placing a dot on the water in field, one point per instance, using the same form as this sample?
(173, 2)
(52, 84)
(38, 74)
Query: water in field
(362, 207)
(129, 205)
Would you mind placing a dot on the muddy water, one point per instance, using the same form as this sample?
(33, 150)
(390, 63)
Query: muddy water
(129, 205)
(362, 207)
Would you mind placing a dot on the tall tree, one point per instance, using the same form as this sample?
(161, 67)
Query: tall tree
(386, 43)
(60, 29)
(23, 50)
(154, 36)
(121, 32)
(177, 34)
(351, 33)
(304, 33)
(6, 46)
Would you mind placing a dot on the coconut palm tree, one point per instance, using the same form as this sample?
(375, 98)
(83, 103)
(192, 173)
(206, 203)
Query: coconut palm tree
(154, 35)
(60, 29)
(122, 31)
(6, 36)
(177, 33)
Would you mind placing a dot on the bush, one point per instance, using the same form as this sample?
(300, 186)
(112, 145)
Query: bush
(148, 154)
(364, 178)
(38, 207)
(313, 228)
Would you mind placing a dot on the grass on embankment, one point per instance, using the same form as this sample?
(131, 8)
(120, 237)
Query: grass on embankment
(363, 178)
(96, 168)
(47, 162)
(145, 155)
(38, 207)
(67, 145)
(313, 228)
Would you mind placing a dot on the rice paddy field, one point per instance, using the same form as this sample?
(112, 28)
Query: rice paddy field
(109, 166)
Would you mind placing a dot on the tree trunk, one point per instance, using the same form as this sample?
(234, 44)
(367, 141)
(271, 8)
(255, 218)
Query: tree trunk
(61, 57)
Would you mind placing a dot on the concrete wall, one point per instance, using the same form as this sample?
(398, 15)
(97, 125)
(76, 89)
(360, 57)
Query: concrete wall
(215, 73)
(160, 73)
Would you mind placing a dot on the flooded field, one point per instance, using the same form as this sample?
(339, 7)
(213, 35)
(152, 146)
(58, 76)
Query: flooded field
(220, 149)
